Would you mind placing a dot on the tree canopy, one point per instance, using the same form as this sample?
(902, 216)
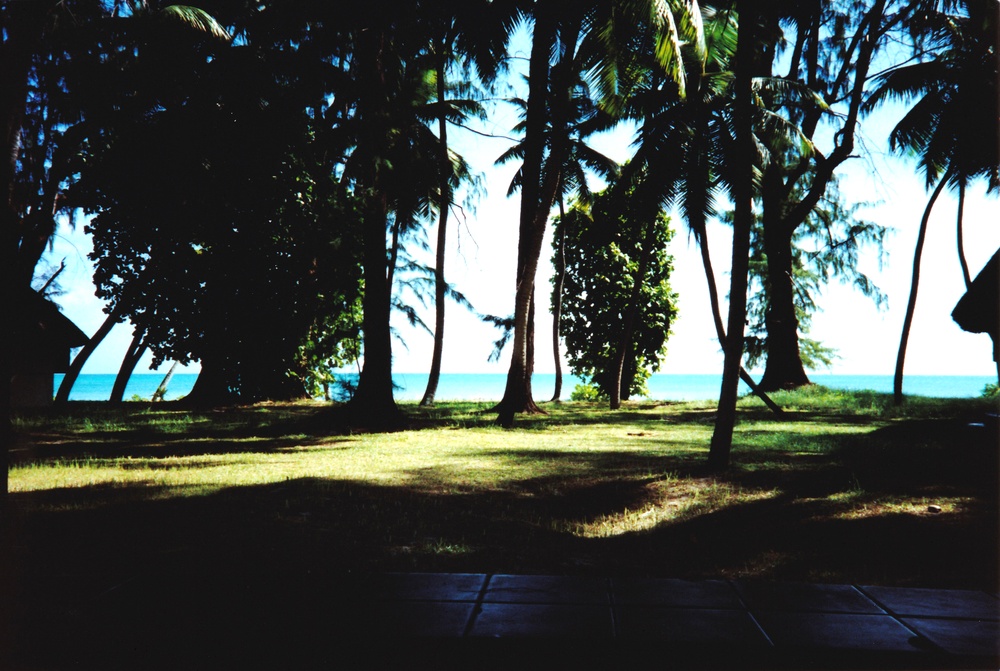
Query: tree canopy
(255, 171)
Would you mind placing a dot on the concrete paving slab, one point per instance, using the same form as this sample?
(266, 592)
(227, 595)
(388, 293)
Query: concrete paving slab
(519, 620)
(426, 586)
(840, 631)
(730, 628)
(547, 589)
(960, 637)
(675, 593)
(805, 597)
(414, 619)
(919, 602)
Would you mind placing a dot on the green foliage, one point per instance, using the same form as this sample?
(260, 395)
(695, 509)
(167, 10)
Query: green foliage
(588, 393)
(604, 245)
(221, 234)
(991, 391)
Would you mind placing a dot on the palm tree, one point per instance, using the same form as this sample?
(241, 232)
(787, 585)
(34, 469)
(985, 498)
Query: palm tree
(742, 189)
(579, 159)
(607, 36)
(459, 32)
(685, 142)
(952, 126)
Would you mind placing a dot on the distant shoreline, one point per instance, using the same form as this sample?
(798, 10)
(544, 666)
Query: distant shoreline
(490, 386)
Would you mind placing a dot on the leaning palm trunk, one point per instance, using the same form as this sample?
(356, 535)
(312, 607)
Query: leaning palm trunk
(62, 395)
(132, 355)
(897, 381)
(720, 330)
(161, 391)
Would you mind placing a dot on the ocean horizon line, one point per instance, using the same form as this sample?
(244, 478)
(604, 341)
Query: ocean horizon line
(490, 386)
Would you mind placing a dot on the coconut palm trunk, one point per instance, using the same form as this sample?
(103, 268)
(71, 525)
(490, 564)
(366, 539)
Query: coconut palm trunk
(132, 355)
(960, 235)
(536, 200)
(440, 286)
(897, 380)
(720, 329)
(69, 379)
(722, 436)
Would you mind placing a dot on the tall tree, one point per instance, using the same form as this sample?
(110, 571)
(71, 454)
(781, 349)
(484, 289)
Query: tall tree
(247, 187)
(537, 196)
(39, 43)
(825, 247)
(722, 435)
(833, 46)
(458, 33)
(685, 140)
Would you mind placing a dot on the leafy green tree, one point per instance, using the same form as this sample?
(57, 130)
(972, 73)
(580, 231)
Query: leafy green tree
(41, 44)
(244, 193)
(616, 264)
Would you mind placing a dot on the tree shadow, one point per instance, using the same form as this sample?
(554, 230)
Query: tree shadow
(147, 562)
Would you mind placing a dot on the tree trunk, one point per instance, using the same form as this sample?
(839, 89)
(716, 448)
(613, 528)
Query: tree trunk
(631, 313)
(442, 238)
(161, 390)
(132, 355)
(722, 436)
(16, 50)
(373, 403)
(62, 395)
(783, 369)
(897, 380)
(535, 204)
(960, 235)
(720, 330)
(210, 389)
(557, 294)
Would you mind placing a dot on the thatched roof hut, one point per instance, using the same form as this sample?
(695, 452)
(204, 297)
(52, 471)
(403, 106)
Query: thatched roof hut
(41, 344)
(978, 311)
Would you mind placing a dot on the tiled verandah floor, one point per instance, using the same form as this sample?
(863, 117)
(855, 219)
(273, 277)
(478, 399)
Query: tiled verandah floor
(214, 618)
(693, 623)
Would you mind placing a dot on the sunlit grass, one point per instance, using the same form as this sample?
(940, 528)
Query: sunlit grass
(561, 491)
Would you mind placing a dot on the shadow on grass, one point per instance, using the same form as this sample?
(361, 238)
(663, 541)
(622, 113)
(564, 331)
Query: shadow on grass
(112, 573)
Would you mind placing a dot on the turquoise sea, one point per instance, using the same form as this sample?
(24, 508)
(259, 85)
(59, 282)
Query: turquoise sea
(489, 386)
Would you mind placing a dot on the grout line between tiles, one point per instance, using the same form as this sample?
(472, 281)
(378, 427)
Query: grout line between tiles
(477, 606)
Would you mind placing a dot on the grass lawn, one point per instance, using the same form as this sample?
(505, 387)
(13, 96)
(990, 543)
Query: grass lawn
(141, 534)
(842, 489)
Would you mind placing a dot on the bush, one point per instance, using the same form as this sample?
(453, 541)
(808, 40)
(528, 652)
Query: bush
(587, 392)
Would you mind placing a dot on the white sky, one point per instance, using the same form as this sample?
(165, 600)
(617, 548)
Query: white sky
(482, 256)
